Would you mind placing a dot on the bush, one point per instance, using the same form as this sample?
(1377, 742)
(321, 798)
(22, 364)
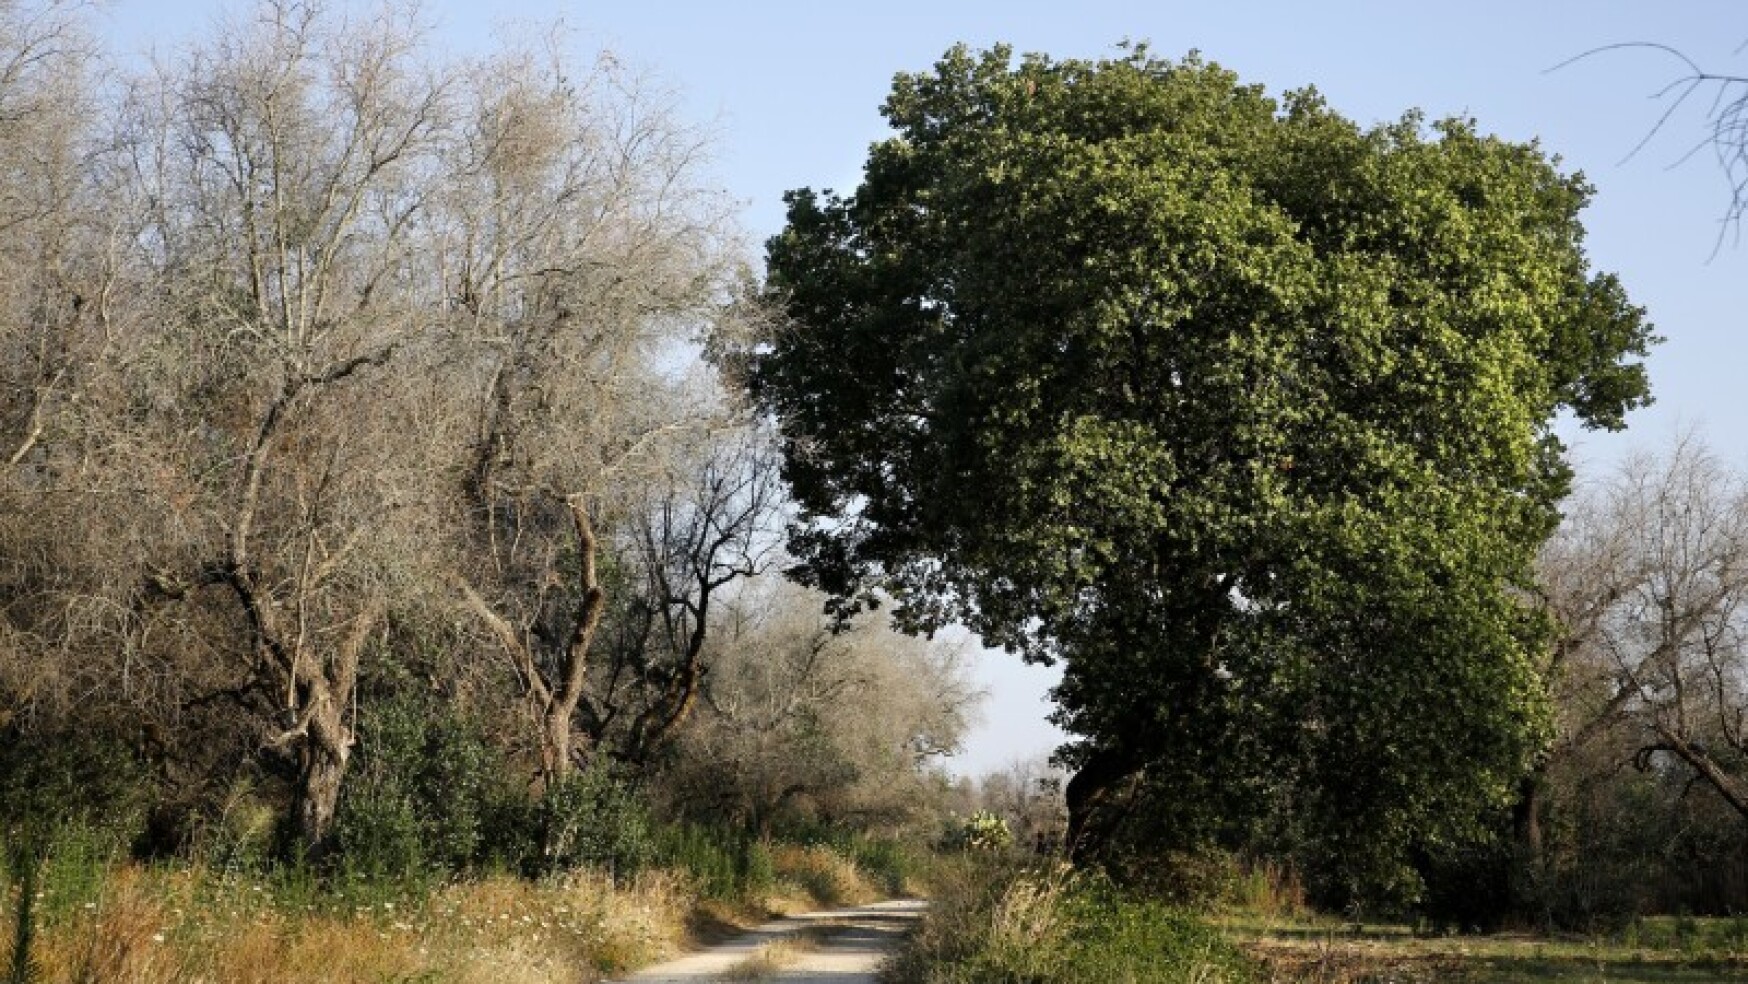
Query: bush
(724, 865)
(890, 864)
(592, 818)
(423, 784)
(240, 838)
(981, 831)
(828, 876)
(72, 779)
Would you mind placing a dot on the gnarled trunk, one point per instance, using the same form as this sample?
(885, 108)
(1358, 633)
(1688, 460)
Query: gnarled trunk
(322, 761)
(1094, 807)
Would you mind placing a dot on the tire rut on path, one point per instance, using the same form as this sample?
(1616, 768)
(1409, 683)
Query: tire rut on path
(850, 951)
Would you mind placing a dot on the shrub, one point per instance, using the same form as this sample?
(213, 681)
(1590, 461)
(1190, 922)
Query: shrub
(891, 865)
(593, 818)
(724, 865)
(423, 785)
(240, 838)
(72, 779)
(827, 876)
(981, 831)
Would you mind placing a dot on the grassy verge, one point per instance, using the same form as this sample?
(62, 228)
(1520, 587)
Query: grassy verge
(93, 920)
(1652, 951)
(149, 925)
(993, 922)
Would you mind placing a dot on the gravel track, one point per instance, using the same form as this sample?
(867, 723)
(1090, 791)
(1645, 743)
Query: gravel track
(851, 944)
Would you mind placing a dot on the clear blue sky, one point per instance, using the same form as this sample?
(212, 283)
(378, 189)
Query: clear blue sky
(792, 92)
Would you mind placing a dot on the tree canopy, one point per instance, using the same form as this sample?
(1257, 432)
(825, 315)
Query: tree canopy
(1240, 409)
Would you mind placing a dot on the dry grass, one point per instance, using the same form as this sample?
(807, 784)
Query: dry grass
(777, 956)
(158, 927)
(1311, 952)
(994, 923)
(821, 876)
(190, 925)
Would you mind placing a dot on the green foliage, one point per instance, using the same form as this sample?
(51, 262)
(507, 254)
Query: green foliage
(424, 783)
(891, 862)
(725, 865)
(993, 924)
(1241, 410)
(75, 861)
(892, 865)
(594, 818)
(1620, 844)
(239, 838)
(981, 831)
(53, 876)
(73, 778)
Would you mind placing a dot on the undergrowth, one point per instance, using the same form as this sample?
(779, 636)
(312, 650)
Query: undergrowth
(79, 912)
(997, 922)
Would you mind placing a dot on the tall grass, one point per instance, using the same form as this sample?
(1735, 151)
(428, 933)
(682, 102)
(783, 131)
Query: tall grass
(159, 925)
(736, 867)
(725, 866)
(995, 922)
(23, 864)
(820, 875)
(76, 911)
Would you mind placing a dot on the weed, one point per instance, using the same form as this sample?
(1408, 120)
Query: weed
(771, 959)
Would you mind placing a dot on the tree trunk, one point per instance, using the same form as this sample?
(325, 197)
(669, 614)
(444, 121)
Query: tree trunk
(564, 692)
(1529, 886)
(555, 743)
(1527, 817)
(321, 768)
(1092, 811)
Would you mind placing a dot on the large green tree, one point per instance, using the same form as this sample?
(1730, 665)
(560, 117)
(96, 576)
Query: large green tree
(1239, 409)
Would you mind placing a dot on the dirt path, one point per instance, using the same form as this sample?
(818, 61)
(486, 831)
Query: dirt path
(843, 946)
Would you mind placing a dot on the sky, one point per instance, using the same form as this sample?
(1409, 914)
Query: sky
(791, 91)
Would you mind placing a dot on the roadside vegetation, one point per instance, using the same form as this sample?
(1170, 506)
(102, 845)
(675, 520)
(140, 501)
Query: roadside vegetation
(93, 920)
(1001, 920)
(429, 552)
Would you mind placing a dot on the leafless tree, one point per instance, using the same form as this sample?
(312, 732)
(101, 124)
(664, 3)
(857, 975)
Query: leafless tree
(280, 172)
(60, 320)
(1649, 582)
(717, 523)
(581, 252)
(799, 719)
(312, 340)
